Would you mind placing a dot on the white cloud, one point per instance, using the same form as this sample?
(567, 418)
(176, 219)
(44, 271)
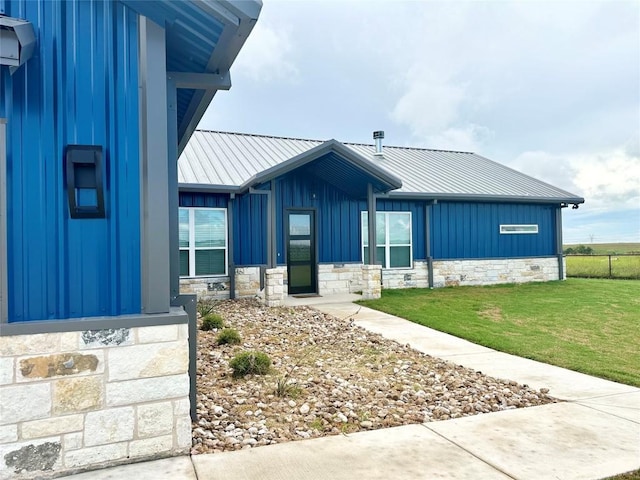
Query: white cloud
(610, 179)
(267, 55)
(429, 104)
(468, 138)
(551, 75)
(607, 180)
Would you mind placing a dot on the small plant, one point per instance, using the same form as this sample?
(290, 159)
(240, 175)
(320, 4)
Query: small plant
(286, 389)
(212, 321)
(317, 425)
(256, 363)
(228, 336)
(205, 306)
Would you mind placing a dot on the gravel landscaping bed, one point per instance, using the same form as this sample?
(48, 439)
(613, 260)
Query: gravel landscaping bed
(329, 377)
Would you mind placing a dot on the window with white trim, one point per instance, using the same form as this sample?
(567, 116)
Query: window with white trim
(511, 229)
(393, 239)
(203, 241)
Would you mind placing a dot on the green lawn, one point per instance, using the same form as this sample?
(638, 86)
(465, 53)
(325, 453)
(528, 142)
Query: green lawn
(587, 325)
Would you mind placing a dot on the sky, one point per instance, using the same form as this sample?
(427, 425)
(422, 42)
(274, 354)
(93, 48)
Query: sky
(549, 88)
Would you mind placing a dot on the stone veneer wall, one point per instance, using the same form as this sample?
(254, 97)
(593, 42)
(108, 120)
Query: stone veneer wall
(371, 284)
(488, 272)
(348, 277)
(474, 272)
(416, 277)
(274, 291)
(247, 284)
(80, 400)
(339, 278)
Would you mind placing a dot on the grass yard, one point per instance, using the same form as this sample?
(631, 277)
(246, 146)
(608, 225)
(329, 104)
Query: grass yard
(587, 325)
(598, 266)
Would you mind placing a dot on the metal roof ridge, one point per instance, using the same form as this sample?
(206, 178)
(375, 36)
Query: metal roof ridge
(280, 137)
(421, 149)
(258, 135)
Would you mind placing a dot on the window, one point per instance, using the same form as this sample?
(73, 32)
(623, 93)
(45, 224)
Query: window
(203, 241)
(393, 239)
(508, 229)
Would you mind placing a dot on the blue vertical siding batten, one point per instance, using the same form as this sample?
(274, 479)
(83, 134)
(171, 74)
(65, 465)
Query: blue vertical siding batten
(80, 87)
(472, 230)
(250, 223)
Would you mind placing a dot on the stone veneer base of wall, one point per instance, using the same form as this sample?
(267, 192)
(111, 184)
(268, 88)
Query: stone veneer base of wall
(474, 272)
(76, 401)
(494, 271)
(348, 277)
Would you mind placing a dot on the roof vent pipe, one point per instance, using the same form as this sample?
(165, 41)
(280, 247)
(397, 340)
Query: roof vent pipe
(378, 136)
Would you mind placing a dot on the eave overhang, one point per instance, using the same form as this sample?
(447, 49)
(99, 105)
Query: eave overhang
(204, 38)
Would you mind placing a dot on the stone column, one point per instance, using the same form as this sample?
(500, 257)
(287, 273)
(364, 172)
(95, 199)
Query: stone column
(274, 287)
(371, 282)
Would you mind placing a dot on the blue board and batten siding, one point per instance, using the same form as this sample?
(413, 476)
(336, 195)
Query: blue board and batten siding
(81, 87)
(467, 230)
(338, 217)
(250, 223)
(458, 230)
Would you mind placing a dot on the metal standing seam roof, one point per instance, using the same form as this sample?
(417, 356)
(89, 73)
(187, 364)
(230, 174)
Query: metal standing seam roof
(229, 160)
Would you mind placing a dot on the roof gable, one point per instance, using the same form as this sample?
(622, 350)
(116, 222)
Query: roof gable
(336, 164)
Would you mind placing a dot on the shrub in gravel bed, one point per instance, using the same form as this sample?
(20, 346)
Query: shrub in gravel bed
(205, 306)
(245, 363)
(228, 336)
(212, 321)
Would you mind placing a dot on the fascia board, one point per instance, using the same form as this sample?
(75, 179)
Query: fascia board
(206, 187)
(485, 198)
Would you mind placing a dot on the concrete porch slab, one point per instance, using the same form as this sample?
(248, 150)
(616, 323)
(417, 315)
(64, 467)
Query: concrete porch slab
(167, 468)
(409, 452)
(563, 440)
(339, 299)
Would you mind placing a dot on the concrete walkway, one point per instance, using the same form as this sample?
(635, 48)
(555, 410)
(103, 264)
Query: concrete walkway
(594, 434)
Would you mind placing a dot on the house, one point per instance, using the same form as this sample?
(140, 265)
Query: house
(293, 216)
(98, 98)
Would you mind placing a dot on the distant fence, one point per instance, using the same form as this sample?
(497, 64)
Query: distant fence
(604, 266)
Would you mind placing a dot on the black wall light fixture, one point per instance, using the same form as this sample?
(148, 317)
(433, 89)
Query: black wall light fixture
(83, 172)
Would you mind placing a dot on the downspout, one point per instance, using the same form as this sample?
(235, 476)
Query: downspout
(4, 289)
(271, 227)
(427, 242)
(174, 201)
(559, 252)
(231, 262)
(371, 213)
